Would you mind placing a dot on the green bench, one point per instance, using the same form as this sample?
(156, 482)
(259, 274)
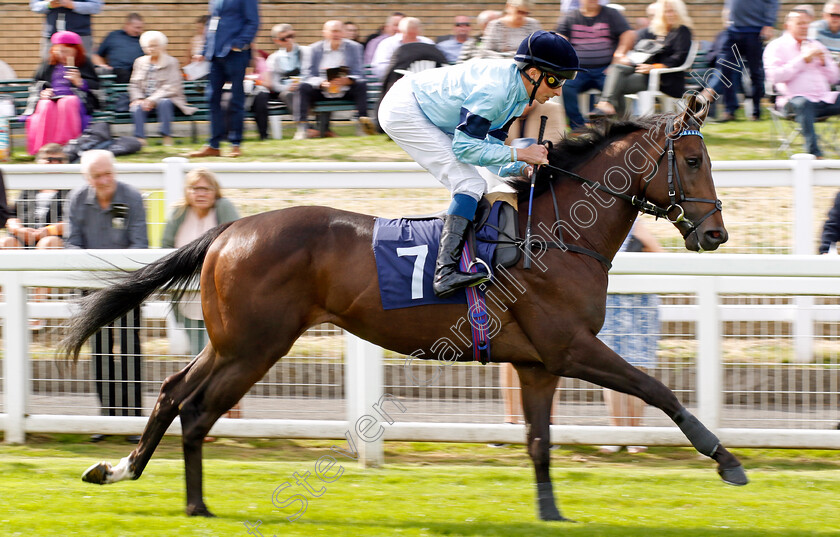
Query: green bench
(18, 91)
(194, 91)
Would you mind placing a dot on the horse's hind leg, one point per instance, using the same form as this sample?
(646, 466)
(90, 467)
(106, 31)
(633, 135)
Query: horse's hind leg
(538, 387)
(174, 390)
(593, 361)
(226, 385)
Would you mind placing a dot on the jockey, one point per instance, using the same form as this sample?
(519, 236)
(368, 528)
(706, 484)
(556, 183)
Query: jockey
(455, 118)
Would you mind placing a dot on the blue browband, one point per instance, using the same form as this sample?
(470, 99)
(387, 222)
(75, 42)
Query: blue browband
(690, 132)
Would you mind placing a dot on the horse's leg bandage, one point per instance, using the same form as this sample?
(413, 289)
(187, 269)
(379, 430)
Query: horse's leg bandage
(700, 437)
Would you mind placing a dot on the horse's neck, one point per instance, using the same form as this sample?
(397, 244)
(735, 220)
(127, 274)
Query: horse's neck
(588, 216)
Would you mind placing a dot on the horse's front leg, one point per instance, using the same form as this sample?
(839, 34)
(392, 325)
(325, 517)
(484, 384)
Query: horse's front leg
(538, 387)
(593, 361)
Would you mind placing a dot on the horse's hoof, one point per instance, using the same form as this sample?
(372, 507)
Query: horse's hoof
(200, 510)
(734, 476)
(553, 515)
(97, 474)
(555, 518)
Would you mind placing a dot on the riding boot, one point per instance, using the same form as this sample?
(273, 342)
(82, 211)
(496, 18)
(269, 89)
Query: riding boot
(448, 278)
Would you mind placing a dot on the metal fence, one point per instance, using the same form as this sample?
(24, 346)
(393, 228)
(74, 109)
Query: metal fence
(767, 374)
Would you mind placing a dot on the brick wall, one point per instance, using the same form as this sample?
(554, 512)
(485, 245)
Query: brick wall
(21, 28)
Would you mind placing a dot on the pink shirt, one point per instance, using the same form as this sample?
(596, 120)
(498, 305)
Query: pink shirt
(792, 76)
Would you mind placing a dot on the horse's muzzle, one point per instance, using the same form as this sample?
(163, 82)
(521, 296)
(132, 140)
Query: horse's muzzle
(708, 240)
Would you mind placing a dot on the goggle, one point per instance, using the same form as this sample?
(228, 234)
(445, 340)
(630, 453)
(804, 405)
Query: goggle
(555, 81)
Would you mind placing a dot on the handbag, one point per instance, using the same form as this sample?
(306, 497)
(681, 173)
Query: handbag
(644, 50)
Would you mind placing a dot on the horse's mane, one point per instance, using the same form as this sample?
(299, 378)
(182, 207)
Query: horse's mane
(572, 152)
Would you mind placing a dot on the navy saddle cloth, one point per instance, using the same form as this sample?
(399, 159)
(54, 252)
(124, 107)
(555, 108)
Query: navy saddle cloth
(406, 250)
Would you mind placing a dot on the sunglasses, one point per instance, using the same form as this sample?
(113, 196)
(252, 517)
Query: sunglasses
(55, 160)
(834, 15)
(462, 24)
(286, 37)
(556, 81)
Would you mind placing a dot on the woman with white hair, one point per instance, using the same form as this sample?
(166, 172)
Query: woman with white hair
(156, 88)
(671, 27)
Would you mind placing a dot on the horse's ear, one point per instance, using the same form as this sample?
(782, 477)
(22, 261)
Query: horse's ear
(694, 110)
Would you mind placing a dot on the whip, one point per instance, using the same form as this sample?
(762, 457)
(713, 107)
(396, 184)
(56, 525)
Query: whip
(527, 263)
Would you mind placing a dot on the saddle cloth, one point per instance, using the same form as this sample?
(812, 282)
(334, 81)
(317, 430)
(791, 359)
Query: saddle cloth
(406, 249)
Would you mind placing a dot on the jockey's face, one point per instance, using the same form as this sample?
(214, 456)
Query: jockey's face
(544, 92)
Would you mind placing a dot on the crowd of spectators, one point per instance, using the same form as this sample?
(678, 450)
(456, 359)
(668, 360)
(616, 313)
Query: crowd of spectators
(343, 64)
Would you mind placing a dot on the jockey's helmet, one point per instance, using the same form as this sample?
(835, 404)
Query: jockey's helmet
(549, 52)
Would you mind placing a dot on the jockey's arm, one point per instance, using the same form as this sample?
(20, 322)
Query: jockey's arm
(491, 153)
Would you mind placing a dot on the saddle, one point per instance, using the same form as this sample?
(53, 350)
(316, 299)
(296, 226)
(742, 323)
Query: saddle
(507, 253)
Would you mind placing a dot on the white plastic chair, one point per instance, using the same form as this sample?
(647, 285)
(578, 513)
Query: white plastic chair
(647, 99)
(416, 67)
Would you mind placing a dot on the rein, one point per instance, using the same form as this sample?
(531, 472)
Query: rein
(640, 202)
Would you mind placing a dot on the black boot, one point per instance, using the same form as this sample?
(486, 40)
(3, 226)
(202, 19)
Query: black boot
(448, 278)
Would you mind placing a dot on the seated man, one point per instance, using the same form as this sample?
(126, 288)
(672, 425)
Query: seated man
(409, 32)
(282, 76)
(600, 36)
(451, 47)
(39, 219)
(387, 30)
(334, 71)
(827, 31)
(120, 48)
(802, 72)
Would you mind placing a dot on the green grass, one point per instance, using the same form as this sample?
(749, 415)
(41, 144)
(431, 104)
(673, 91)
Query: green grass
(739, 140)
(426, 490)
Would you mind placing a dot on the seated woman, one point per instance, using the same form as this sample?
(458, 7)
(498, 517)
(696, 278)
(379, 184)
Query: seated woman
(501, 38)
(39, 214)
(203, 209)
(672, 27)
(65, 82)
(156, 88)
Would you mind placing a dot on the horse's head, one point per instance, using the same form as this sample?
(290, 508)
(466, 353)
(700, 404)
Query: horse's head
(682, 183)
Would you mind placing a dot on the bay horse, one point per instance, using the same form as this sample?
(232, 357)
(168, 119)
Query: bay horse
(266, 278)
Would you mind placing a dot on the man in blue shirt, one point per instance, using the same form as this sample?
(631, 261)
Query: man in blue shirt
(451, 47)
(120, 48)
(109, 214)
(750, 22)
(827, 31)
(455, 118)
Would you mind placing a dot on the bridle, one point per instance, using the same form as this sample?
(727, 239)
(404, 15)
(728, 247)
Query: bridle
(676, 195)
(674, 184)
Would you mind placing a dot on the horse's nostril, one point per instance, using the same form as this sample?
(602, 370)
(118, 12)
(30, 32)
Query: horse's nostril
(716, 236)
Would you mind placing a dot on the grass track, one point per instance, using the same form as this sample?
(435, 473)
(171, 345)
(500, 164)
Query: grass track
(665, 493)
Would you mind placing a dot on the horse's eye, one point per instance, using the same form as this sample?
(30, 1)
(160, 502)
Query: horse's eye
(693, 162)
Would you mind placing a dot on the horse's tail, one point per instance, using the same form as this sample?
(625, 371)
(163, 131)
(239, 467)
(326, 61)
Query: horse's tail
(172, 272)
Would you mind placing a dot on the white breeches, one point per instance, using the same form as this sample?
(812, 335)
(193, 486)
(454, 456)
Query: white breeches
(401, 118)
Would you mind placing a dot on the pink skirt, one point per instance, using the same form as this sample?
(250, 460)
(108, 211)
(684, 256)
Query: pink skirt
(54, 121)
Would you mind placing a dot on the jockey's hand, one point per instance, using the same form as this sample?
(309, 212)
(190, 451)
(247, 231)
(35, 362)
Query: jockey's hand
(533, 154)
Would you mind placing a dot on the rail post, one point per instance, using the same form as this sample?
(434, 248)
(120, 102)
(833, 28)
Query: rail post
(16, 378)
(803, 243)
(363, 386)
